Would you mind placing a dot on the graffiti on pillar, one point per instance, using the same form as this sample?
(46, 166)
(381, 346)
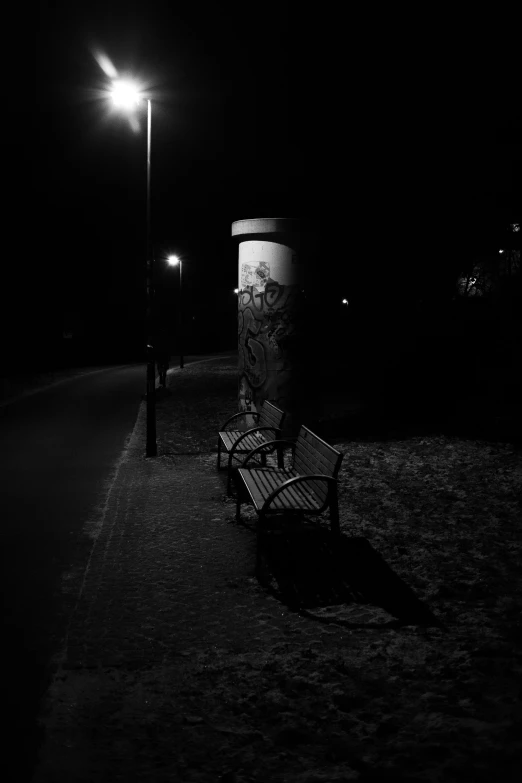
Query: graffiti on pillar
(267, 327)
(253, 352)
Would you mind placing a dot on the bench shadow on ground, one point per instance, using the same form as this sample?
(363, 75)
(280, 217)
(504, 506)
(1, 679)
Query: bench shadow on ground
(307, 569)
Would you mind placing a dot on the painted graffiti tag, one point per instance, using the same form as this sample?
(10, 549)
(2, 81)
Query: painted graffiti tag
(266, 327)
(269, 296)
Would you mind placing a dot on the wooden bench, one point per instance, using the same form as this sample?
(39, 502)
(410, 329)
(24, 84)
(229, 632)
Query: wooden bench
(269, 422)
(309, 486)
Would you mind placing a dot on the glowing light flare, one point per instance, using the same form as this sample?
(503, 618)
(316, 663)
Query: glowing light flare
(345, 301)
(172, 260)
(105, 64)
(125, 94)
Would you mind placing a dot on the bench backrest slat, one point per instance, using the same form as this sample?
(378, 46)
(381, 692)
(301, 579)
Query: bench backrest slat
(314, 455)
(314, 460)
(305, 463)
(270, 416)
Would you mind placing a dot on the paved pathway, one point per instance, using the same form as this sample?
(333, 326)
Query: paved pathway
(59, 447)
(170, 579)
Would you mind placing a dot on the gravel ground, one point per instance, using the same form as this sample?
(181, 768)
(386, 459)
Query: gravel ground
(396, 656)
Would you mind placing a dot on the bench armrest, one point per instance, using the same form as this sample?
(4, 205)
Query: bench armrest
(237, 415)
(296, 480)
(270, 443)
(250, 431)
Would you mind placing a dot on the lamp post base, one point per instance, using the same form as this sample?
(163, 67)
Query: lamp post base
(151, 449)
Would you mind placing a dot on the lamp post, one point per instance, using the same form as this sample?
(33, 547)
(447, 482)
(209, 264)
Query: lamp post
(127, 96)
(174, 261)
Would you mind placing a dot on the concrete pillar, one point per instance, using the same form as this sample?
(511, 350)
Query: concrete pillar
(271, 317)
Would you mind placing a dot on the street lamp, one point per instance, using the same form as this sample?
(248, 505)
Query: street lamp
(126, 95)
(174, 261)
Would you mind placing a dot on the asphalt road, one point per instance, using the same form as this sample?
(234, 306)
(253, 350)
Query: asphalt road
(59, 448)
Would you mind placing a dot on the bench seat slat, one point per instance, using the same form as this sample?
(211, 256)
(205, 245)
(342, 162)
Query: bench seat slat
(261, 482)
(269, 416)
(229, 437)
(289, 498)
(267, 422)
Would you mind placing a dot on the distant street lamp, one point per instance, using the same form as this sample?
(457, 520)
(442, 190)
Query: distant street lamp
(174, 261)
(126, 95)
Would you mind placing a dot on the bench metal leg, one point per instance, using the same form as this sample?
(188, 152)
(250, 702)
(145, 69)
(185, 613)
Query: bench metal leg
(229, 470)
(229, 476)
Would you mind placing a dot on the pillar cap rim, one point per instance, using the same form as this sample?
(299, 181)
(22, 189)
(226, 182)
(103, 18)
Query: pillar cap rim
(265, 226)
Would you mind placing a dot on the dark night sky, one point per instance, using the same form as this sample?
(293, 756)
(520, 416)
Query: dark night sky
(394, 138)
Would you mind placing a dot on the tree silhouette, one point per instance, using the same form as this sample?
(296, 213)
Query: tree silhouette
(491, 275)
